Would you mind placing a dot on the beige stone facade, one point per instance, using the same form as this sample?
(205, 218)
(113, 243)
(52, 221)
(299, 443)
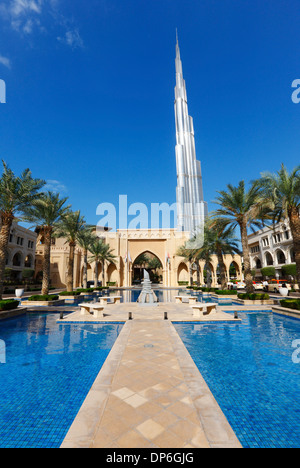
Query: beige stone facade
(127, 246)
(21, 252)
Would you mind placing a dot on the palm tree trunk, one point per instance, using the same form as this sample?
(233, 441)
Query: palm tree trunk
(103, 273)
(295, 230)
(198, 273)
(85, 262)
(191, 273)
(222, 271)
(70, 271)
(6, 221)
(96, 275)
(208, 275)
(46, 261)
(246, 255)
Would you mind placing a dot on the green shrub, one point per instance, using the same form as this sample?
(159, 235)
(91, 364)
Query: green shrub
(8, 304)
(291, 304)
(254, 297)
(45, 298)
(226, 292)
(88, 290)
(268, 271)
(69, 293)
(183, 283)
(289, 270)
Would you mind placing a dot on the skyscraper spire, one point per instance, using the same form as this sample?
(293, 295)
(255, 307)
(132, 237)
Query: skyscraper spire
(191, 208)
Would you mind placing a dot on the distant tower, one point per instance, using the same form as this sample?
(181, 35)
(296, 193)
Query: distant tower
(191, 208)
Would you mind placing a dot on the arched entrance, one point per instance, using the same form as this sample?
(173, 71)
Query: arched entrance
(183, 274)
(150, 262)
(112, 275)
(234, 271)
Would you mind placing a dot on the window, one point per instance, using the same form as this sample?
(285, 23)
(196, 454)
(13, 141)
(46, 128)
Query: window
(11, 237)
(20, 240)
(265, 242)
(255, 249)
(277, 238)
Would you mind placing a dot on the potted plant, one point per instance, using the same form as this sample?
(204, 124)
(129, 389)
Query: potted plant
(19, 293)
(283, 291)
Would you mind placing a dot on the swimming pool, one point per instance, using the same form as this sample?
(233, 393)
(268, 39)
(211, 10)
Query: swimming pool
(249, 369)
(168, 295)
(48, 372)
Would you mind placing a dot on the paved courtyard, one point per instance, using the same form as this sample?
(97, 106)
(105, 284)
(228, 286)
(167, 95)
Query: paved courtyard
(149, 392)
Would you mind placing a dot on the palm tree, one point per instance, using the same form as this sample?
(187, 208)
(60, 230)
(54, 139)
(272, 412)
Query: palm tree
(70, 227)
(101, 253)
(16, 194)
(283, 189)
(243, 209)
(45, 213)
(189, 256)
(85, 240)
(218, 240)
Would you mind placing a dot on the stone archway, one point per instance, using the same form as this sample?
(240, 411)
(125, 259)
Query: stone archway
(149, 261)
(183, 275)
(112, 274)
(281, 258)
(17, 259)
(269, 259)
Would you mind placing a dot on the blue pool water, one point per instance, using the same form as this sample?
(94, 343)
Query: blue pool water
(249, 369)
(48, 372)
(164, 295)
(168, 295)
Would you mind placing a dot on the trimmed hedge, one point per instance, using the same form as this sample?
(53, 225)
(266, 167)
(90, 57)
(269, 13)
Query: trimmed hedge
(226, 292)
(209, 289)
(291, 304)
(46, 298)
(8, 304)
(88, 290)
(254, 297)
(69, 293)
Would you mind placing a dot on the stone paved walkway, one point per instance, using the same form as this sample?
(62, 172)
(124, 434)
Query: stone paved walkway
(150, 394)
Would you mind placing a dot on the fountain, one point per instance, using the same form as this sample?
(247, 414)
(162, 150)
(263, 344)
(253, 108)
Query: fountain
(147, 296)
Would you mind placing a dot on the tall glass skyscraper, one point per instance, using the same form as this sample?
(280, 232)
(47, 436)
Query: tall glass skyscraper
(191, 207)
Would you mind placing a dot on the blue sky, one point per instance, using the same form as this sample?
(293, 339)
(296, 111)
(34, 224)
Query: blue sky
(90, 93)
